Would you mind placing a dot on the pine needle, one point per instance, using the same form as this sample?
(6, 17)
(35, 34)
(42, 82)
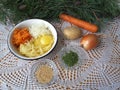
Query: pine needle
(94, 11)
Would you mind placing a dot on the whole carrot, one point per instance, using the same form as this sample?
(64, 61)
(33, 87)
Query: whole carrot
(80, 23)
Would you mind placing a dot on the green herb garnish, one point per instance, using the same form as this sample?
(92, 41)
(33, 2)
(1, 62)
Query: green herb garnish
(70, 59)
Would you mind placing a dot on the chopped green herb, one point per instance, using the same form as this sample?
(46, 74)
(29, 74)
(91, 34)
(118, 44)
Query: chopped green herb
(70, 59)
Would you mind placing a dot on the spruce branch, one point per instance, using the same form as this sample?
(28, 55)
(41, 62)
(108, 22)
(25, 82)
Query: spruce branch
(94, 11)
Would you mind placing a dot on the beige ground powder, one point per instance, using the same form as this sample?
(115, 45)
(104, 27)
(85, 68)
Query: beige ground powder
(44, 74)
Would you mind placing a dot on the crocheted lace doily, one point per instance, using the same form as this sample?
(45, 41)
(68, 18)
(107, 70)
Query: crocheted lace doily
(99, 68)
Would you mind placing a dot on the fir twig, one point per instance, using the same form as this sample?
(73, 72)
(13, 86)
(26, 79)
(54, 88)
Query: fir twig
(94, 11)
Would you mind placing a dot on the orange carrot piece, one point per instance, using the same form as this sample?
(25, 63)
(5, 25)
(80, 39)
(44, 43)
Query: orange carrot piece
(20, 36)
(80, 23)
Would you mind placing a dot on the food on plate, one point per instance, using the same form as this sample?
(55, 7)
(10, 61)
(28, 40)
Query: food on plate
(20, 36)
(89, 41)
(70, 58)
(80, 23)
(46, 39)
(72, 32)
(37, 46)
(38, 29)
(33, 41)
(44, 74)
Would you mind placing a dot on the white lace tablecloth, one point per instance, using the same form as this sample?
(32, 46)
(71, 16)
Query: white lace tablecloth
(100, 69)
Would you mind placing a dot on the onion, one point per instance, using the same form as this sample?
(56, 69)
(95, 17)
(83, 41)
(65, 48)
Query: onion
(89, 41)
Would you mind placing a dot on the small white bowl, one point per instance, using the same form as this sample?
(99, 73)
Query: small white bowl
(37, 65)
(28, 23)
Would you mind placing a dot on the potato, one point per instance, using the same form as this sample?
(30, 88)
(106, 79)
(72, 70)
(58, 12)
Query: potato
(72, 32)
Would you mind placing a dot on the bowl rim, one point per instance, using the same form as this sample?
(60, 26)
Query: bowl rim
(37, 57)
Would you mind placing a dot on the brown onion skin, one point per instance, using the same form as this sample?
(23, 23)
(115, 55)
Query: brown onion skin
(89, 41)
